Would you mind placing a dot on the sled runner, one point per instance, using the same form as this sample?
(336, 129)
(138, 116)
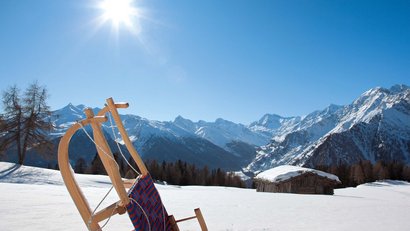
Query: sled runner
(142, 201)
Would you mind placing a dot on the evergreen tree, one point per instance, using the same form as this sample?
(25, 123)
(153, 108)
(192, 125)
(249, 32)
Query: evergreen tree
(154, 169)
(183, 173)
(395, 169)
(406, 173)
(364, 171)
(122, 166)
(80, 166)
(97, 166)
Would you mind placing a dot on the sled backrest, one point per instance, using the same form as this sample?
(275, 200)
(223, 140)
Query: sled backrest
(107, 159)
(133, 200)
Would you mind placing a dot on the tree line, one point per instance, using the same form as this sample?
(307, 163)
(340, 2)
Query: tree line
(183, 173)
(364, 172)
(175, 173)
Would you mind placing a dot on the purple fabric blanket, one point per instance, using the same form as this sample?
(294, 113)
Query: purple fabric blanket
(146, 210)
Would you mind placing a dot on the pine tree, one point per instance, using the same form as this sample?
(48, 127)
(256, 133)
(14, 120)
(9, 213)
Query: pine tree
(80, 165)
(406, 173)
(122, 166)
(97, 166)
(396, 170)
(154, 169)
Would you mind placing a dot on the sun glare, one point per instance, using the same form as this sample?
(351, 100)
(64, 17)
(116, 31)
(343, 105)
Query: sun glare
(120, 12)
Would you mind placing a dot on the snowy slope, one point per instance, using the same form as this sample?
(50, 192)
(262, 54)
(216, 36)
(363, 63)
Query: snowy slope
(274, 125)
(217, 144)
(292, 140)
(39, 204)
(220, 132)
(376, 126)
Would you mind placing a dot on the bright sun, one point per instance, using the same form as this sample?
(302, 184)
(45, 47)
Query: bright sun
(120, 12)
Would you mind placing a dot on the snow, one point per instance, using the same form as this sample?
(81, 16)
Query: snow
(285, 172)
(221, 132)
(385, 108)
(36, 199)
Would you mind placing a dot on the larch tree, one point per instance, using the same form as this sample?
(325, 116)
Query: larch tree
(26, 121)
(12, 119)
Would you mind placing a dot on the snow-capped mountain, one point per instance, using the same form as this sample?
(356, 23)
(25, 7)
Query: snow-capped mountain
(274, 125)
(376, 126)
(217, 144)
(221, 132)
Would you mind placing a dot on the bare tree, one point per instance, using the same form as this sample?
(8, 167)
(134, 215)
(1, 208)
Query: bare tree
(25, 119)
(12, 119)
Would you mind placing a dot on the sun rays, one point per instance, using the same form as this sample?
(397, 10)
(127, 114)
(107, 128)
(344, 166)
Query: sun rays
(120, 13)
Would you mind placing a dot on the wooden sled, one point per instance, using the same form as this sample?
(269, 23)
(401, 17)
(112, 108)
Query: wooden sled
(90, 218)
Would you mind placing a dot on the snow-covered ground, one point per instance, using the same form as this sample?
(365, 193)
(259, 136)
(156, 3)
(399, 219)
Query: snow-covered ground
(36, 199)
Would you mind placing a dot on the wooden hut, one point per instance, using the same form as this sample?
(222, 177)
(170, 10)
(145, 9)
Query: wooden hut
(294, 179)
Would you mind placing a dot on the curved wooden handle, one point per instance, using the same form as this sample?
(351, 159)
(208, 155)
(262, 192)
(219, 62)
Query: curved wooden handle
(107, 159)
(68, 174)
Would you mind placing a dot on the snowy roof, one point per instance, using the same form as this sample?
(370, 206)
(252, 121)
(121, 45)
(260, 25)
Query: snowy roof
(285, 172)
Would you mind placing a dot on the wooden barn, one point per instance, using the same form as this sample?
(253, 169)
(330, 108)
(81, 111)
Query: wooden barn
(294, 179)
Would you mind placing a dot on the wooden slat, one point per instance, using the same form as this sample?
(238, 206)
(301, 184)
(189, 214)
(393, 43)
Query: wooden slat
(108, 212)
(198, 215)
(113, 109)
(107, 159)
(174, 226)
(185, 219)
(201, 219)
(69, 180)
(128, 183)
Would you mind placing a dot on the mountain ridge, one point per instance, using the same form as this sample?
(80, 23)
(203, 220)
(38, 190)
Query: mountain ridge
(374, 123)
(346, 134)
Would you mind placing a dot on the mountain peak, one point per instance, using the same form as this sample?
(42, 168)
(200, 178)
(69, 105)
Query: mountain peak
(270, 116)
(393, 90)
(81, 107)
(220, 120)
(69, 107)
(272, 122)
(181, 120)
(399, 88)
(332, 108)
(184, 123)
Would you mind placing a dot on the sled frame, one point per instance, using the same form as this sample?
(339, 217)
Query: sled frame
(104, 152)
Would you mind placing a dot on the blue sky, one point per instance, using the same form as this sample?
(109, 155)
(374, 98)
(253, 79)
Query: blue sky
(207, 59)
